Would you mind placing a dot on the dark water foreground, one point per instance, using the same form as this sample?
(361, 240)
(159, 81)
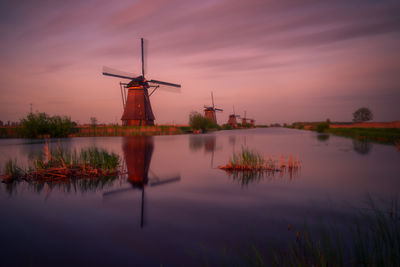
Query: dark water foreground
(175, 208)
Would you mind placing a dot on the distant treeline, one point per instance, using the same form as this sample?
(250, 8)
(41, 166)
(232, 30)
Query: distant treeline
(40, 124)
(388, 133)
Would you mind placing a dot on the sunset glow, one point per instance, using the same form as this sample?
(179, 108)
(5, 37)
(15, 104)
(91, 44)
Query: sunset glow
(281, 61)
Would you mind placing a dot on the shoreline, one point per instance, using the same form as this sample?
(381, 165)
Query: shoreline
(379, 132)
(105, 131)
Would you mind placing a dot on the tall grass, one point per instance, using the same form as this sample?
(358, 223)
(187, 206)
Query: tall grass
(247, 158)
(12, 169)
(97, 158)
(250, 166)
(61, 165)
(372, 238)
(102, 130)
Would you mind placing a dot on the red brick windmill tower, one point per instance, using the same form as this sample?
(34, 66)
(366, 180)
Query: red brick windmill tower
(136, 97)
(232, 119)
(246, 121)
(209, 111)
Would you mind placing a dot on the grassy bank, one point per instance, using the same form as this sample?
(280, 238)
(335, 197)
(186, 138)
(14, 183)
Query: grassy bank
(129, 131)
(87, 131)
(382, 135)
(378, 134)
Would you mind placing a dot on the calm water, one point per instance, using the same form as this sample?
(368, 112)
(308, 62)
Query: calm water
(175, 208)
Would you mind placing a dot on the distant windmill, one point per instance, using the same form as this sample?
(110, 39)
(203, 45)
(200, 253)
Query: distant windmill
(232, 118)
(209, 111)
(246, 120)
(136, 102)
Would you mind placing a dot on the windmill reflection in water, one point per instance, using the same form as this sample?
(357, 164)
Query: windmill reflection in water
(138, 151)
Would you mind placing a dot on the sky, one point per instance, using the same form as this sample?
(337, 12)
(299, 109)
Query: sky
(280, 61)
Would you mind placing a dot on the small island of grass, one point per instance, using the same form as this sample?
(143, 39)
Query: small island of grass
(59, 166)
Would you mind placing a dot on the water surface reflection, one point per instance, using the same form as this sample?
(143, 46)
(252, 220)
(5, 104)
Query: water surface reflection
(362, 147)
(138, 152)
(203, 207)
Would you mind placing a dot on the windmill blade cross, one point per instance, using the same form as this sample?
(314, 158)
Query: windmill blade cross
(170, 89)
(119, 74)
(142, 59)
(165, 181)
(165, 83)
(117, 191)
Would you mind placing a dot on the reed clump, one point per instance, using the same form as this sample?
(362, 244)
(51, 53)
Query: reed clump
(249, 160)
(59, 165)
(373, 240)
(11, 171)
(370, 238)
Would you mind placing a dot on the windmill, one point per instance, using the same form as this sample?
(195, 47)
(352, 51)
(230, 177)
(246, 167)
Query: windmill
(135, 95)
(232, 119)
(138, 151)
(246, 120)
(209, 111)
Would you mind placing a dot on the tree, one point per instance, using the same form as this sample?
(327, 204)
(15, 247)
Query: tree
(40, 124)
(321, 126)
(362, 114)
(198, 121)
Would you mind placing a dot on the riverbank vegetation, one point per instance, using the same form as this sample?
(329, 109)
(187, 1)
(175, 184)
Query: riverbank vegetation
(199, 122)
(370, 238)
(116, 130)
(43, 125)
(382, 134)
